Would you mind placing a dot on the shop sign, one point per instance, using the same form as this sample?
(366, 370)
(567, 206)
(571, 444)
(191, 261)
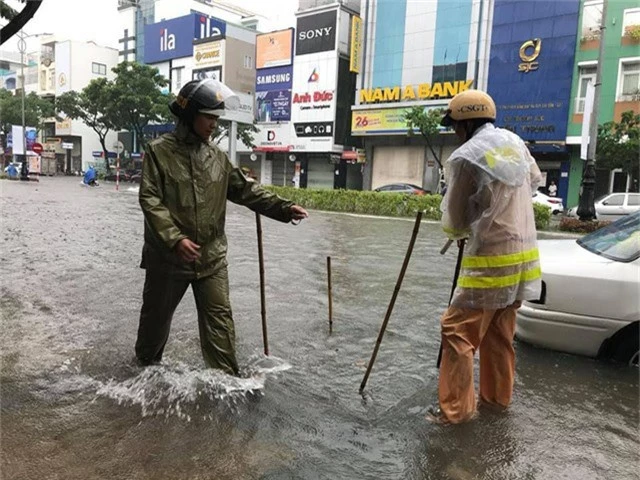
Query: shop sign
(316, 33)
(274, 49)
(423, 91)
(384, 121)
(208, 54)
(357, 34)
(531, 69)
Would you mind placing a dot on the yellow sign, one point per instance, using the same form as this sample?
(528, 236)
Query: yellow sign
(63, 127)
(355, 60)
(381, 121)
(529, 56)
(208, 54)
(423, 91)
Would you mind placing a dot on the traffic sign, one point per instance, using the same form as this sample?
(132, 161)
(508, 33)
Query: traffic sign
(37, 148)
(118, 147)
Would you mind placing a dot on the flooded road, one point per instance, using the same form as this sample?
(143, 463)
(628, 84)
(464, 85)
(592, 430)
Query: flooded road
(75, 406)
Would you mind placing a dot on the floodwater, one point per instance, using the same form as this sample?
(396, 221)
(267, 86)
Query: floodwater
(75, 406)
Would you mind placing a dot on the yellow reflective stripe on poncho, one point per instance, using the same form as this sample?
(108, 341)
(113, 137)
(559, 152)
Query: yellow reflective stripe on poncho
(500, 282)
(455, 232)
(489, 261)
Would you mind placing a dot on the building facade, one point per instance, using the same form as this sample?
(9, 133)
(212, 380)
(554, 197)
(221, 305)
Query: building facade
(415, 54)
(61, 66)
(531, 62)
(305, 91)
(620, 89)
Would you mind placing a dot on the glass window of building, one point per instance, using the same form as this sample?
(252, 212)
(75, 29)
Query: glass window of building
(587, 74)
(630, 21)
(98, 68)
(629, 86)
(591, 19)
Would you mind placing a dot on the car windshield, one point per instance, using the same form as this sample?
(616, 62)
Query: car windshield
(619, 241)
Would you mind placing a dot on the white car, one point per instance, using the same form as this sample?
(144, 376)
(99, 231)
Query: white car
(554, 203)
(613, 206)
(590, 301)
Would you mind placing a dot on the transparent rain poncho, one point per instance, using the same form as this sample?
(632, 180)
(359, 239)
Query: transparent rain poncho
(490, 181)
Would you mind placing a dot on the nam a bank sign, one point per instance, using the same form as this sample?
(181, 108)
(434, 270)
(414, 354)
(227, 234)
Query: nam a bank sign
(422, 91)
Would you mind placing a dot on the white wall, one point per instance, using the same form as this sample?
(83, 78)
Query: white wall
(90, 142)
(83, 56)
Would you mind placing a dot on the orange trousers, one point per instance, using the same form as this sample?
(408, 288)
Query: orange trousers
(464, 330)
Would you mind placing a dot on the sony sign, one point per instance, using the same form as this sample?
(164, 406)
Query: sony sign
(316, 33)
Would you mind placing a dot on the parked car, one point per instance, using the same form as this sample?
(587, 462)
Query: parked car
(554, 203)
(124, 177)
(613, 206)
(402, 188)
(590, 303)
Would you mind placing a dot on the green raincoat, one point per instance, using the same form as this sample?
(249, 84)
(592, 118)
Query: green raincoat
(184, 191)
(183, 194)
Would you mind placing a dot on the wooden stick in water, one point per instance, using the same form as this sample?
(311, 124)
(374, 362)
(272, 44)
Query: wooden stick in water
(263, 310)
(416, 227)
(330, 295)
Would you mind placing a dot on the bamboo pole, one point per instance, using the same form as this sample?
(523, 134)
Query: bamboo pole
(456, 274)
(263, 310)
(416, 227)
(329, 292)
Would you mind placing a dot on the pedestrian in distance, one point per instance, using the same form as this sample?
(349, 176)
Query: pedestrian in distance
(491, 177)
(90, 177)
(12, 172)
(553, 189)
(186, 182)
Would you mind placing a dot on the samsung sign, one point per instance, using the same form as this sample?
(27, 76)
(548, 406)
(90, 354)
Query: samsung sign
(316, 33)
(174, 38)
(276, 78)
(531, 68)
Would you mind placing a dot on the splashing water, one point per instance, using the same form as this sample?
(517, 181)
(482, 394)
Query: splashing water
(181, 390)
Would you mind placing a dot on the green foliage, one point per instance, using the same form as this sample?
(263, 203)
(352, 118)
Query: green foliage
(424, 121)
(542, 216)
(578, 226)
(93, 105)
(245, 132)
(36, 110)
(137, 98)
(632, 31)
(619, 144)
(363, 202)
(376, 203)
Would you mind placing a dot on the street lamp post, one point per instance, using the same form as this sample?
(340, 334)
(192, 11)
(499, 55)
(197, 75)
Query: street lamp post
(22, 47)
(586, 209)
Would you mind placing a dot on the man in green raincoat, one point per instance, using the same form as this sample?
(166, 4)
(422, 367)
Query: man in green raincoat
(186, 182)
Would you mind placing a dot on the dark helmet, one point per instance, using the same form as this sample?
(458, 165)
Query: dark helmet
(203, 96)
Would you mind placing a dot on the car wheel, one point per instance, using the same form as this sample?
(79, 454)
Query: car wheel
(623, 346)
(627, 347)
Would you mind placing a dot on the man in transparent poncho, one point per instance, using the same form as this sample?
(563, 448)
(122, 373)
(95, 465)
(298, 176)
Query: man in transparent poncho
(490, 180)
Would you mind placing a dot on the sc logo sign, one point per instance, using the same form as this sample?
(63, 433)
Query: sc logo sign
(271, 135)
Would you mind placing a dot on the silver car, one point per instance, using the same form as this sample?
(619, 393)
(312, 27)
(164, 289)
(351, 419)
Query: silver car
(613, 206)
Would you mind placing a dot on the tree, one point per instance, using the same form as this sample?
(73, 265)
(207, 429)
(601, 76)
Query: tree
(94, 106)
(137, 98)
(427, 122)
(16, 20)
(36, 110)
(245, 132)
(618, 145)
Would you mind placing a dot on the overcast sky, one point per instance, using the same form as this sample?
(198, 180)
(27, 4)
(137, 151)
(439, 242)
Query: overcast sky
(97, 20)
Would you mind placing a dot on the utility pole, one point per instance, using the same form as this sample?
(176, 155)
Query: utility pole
(586, 209)
(233, 140)
(22, 47)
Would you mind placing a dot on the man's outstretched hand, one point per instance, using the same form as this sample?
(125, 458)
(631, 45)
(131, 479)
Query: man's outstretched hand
(187, 250)
(298, 213)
